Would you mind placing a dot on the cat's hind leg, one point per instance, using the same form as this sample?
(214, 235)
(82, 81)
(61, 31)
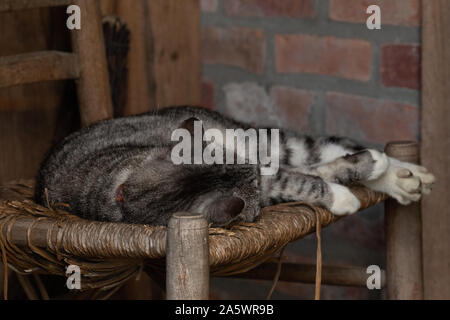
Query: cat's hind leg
(291, 185)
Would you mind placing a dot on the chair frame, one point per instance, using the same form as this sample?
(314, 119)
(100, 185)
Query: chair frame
(88, 67)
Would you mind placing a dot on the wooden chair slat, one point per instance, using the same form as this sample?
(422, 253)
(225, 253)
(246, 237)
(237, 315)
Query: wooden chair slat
(38, 66)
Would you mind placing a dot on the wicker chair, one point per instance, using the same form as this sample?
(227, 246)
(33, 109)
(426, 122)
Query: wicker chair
(36, 239)
(41, 239)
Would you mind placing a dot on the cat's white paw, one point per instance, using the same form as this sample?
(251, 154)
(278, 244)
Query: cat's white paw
(403, 181)
(380, 164)
(344, 202)
(425, 177)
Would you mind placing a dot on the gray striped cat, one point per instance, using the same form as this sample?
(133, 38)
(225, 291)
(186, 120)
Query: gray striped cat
(121, 170)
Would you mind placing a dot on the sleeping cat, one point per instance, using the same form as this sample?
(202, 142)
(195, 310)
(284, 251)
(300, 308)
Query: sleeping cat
(122, 170)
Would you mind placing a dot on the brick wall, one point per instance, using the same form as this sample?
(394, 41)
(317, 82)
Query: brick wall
(314, 66)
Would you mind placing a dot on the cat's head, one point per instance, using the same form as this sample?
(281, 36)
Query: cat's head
(158, 189)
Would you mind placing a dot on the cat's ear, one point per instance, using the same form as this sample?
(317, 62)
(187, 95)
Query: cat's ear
(224, 210)
(189, 125)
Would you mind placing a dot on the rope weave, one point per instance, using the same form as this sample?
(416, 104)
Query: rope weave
(46, 240)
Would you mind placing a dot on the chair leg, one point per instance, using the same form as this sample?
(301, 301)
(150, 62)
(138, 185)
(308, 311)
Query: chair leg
(403, 237)
(94, 93)
(187, 258)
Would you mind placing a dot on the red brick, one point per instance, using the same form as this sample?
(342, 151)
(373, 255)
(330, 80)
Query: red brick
(209, 5)
(400, 66)
(393, 12)
(240, 47)
(371, 120)
(271, 8)
(345, 58)
(292, 106)
(208, 90)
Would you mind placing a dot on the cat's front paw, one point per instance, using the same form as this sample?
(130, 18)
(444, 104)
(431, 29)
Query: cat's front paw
(409, 170)
(343, 200)
(403, 181)
(413, 180)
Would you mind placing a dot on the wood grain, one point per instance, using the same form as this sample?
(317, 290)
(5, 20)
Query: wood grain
(403, 237)
(13, 5)
(294, 272)
(436, 146)
(94, 94)
(141, 87)
(165, 58)
(36, 67)
(108, 7)
(24, 138)
(29, 113)
(32, 116)
(177, 55)
(187, 267)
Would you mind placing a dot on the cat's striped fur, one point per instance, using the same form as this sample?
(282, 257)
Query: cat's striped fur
(121, 170)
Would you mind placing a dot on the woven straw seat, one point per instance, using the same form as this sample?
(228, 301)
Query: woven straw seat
(34, 238)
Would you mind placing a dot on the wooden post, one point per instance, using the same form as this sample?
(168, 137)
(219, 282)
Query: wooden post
(108, 7)
(34, 67)
(187, 259)
(94, 94)
(303, 273)
(141, 87)
(177, 64)
(435, 146)
(403, 237)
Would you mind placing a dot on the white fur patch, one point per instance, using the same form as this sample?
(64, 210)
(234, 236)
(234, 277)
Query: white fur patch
(380, 165)
(344, 202)
(331, 152)
(299, 152)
